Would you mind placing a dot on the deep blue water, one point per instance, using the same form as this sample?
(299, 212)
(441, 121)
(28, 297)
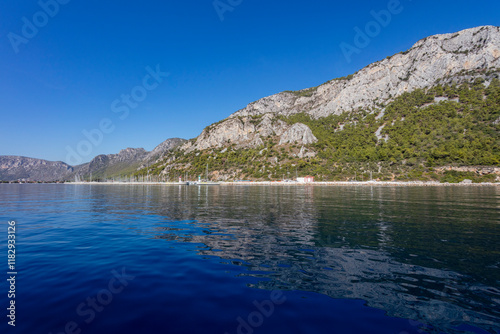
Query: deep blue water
(177, 259)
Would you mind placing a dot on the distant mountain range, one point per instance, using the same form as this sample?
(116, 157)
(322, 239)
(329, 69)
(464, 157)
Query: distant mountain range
(14, 168)
(420, 114)
(127, 161)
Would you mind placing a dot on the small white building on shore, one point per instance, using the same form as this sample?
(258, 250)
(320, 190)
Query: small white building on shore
(307, 179)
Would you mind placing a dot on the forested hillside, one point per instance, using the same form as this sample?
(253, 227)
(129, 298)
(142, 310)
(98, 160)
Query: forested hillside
(409, 139)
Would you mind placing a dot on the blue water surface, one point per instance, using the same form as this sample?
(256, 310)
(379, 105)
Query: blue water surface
(179, 259)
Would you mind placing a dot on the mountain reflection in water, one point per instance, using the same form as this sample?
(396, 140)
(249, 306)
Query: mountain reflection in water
(428, 254)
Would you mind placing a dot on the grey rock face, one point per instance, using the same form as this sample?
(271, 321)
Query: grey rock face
(298, 133)
(13, 168)
(230, 131)
(271, 127)
(247, 132)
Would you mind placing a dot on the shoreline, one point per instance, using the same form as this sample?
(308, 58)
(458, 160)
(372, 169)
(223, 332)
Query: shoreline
(277, 183)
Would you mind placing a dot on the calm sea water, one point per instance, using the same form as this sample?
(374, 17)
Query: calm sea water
(249, 259)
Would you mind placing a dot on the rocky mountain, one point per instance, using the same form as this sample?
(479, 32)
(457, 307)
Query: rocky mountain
(22, 168)
(166, 146)
(437, 59)
(102, 166)
(387, 116)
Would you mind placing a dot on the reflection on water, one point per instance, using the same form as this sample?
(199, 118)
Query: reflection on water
(427, 254)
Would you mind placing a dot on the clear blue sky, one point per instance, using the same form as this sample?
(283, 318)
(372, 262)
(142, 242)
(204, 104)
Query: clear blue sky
(64, 79)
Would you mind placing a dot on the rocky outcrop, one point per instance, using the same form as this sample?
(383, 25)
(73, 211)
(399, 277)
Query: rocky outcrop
(298, 133)
(14, 168)
(234, 130)
(305, 153)
(249, 132)
(269, 126)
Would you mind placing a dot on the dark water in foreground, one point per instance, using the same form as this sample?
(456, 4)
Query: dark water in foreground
(177, 259)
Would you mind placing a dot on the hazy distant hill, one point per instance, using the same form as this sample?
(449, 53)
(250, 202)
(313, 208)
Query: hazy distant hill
(14, 168)
(126, 162)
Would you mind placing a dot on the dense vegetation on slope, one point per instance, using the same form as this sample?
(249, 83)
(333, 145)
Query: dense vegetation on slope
(409, 139)
(418, 129)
